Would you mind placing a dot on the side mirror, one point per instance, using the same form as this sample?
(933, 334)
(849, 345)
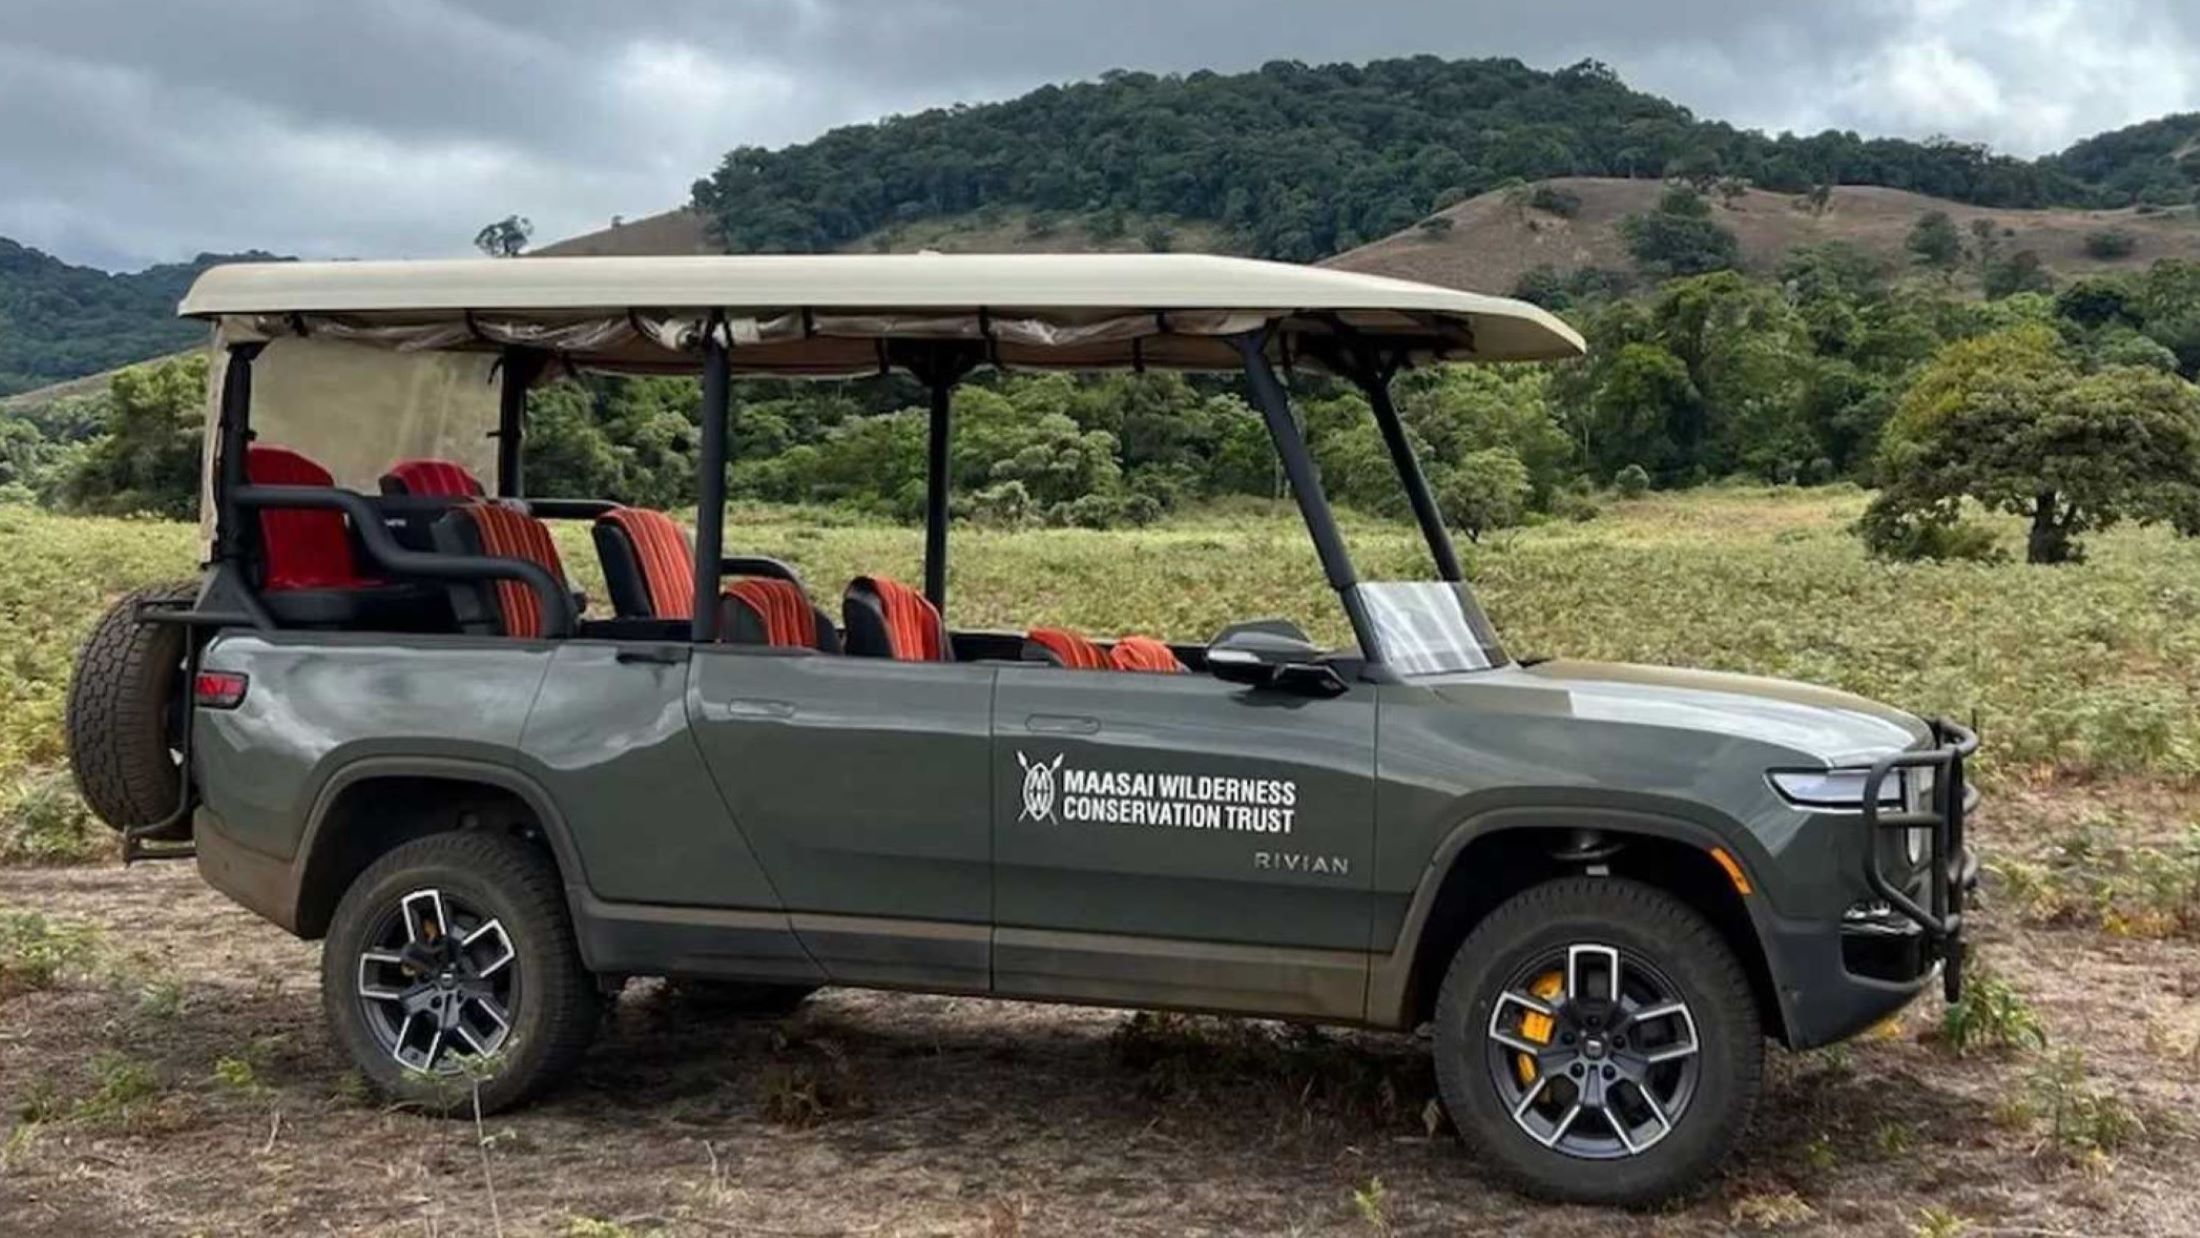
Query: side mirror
(1269, 659)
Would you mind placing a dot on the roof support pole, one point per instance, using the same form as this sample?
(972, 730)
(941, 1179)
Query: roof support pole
(710, 481)
(233, 431)
(942, 381)
(1373, 376)
(1298, 467)
(940, 367)
(518, 368)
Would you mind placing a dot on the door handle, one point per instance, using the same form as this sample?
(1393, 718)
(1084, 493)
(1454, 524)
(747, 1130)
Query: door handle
(1062, 724)
(749, 707)
(667, 655)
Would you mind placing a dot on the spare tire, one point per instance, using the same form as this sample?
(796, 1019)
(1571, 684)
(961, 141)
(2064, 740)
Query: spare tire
(123, 711)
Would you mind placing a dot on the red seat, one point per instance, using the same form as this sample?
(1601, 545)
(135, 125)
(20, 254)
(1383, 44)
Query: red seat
(301, 547)
(510, 607)
(648, 566)
(1065, 648)
(433, 478)
(1144, 653)
(888, 619)
(759, 611)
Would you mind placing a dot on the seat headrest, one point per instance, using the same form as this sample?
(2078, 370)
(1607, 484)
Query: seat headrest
(1065, 648)
(648, 565)
(436, 478)
(888, 619)
(1144, 653)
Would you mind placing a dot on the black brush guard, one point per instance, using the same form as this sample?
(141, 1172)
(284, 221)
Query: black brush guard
(1951, 871)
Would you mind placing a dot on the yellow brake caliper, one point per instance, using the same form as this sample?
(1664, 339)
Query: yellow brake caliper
(1535, 1025)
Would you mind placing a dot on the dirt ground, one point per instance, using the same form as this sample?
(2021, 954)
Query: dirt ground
(888, 1114)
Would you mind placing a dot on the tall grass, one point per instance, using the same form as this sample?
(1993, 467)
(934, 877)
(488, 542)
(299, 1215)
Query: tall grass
(2085, 670)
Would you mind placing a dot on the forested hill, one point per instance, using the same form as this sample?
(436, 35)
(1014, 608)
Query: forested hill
(59, 321)
(1303, 162)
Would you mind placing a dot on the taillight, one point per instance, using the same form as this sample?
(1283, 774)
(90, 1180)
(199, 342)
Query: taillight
(219, 689)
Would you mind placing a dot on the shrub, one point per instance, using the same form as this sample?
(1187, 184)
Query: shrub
(1928, 537)
(1631, 482)
(35, 951)
(1991, 1016)
(42, 821)
(1553, 200)
(2108, 244)
(2081, 1122)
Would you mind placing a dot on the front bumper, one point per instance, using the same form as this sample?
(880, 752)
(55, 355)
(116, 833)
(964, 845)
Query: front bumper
(1951, 871)
(1837, 979)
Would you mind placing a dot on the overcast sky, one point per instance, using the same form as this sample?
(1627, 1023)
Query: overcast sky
(137, 132)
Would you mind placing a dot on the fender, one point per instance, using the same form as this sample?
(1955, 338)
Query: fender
(1390, 976)
(456, 769)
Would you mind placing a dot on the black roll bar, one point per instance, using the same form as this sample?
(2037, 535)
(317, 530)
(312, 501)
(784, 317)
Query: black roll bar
(1298, 467)
(559, 619)
(518, 368)
(233, 429)
(939, 431)
(710, 464)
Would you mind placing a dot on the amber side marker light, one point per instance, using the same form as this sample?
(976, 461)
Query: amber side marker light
(219, 689)
(1734, 871)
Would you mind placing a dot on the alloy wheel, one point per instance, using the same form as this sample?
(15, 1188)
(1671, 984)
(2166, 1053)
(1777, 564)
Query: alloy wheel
(438, 981)
(1593, 1052)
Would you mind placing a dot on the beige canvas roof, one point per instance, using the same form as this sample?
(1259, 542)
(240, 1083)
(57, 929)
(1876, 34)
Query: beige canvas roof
(835, 314)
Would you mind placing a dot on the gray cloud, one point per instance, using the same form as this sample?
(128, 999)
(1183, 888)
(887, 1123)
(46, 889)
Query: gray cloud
(132, 133)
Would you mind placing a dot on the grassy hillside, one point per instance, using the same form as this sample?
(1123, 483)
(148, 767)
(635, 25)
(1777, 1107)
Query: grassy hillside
(1495, 238)
(2098, 675)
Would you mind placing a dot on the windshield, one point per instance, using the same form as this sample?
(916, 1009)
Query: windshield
(1430, 627)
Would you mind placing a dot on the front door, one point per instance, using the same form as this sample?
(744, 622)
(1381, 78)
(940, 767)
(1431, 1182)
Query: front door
(861, 784)
(1177, 840)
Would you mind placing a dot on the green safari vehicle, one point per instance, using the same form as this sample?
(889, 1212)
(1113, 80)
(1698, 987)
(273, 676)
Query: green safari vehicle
(383, 718)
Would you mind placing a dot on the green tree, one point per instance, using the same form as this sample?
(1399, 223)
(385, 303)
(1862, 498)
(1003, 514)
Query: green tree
(1487, 489)
(506, 238)
(2021, 271)
(1679, 237)
(148, 461)
(1933, 241)
(2008, 420)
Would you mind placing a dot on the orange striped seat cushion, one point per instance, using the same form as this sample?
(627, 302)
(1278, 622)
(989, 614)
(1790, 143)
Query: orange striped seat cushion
(1144, 653)
(507, 533)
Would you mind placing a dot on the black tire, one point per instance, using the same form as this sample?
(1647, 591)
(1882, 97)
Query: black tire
(121, 713)
(553, 1011)
(1652, 930)
(741, 999)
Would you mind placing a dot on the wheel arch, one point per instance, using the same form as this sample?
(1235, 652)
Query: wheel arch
(408, 798)
(1493, 856)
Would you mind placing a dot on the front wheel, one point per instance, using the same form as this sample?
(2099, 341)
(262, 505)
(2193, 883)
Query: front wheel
(450, 971)
(1596, 1042)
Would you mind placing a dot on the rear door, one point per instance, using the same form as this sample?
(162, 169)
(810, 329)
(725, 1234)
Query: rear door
(861, 784)
(1178, 840)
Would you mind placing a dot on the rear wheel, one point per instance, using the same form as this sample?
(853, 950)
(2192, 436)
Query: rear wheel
(124, 710)
(1597, 1042)
(450, 964)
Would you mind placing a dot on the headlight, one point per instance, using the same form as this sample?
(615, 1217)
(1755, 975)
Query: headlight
(1842, 790)
(1838, 790)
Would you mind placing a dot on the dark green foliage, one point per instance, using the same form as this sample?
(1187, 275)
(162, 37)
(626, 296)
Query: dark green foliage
(1304, 160)
(1679, 237)
(1934, 242)
(148, 460)
(1555, 200)
(506, 238)
(2018, 272)
(59, 322)
(2108, 244)
(2011, 421)
(1632, 482)
(2146, 162)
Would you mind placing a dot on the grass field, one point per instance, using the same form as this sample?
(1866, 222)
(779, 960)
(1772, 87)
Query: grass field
(162, 1065)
